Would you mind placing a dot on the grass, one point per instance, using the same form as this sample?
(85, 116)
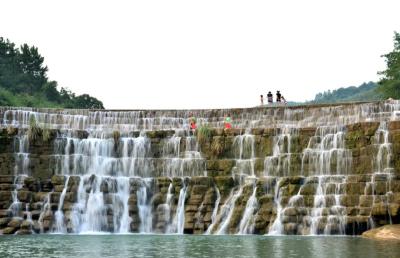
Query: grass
(203, 134)
(34, 131)
(7, 98)
(46, 134)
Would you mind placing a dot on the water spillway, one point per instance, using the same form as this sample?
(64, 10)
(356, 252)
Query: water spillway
(306, 170)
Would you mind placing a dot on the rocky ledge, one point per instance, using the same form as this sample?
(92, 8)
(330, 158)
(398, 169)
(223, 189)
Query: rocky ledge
(387, 232)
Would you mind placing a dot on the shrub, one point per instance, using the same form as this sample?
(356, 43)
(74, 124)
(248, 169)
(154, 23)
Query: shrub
(46, 134)
(34, 131)
(204, 134)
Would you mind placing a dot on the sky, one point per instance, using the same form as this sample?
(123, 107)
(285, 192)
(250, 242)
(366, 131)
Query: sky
(173, 54)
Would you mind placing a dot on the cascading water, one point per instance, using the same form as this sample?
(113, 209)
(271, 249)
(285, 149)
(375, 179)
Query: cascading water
(277, 226)
(279, 162)
(144, 207)
(243, 146)
(179, 219)
(116, 163)
(59, 214)
(227, 211)
(247, 222)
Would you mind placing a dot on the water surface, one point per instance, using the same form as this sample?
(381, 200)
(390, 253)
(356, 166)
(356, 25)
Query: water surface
(83, 246)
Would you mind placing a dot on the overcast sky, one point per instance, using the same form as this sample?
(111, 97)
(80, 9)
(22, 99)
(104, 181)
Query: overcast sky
(204, 54)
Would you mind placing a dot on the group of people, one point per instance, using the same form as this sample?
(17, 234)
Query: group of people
(270, 98)
(227, 123)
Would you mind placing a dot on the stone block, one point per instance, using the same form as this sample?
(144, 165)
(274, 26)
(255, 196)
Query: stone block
(349, 200)
(366, 200)
(8, 230)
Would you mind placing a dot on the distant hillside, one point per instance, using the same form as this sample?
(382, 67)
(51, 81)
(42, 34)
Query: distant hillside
(24, 81)
(364, 92)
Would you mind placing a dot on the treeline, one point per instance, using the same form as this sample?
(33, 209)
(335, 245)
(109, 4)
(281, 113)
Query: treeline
(387, 87)
(389, 84)
(364, 92)
(24, 81)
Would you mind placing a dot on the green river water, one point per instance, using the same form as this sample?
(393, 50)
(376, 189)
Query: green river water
(93, 246)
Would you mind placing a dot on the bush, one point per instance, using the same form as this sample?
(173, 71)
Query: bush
(204, 134)
(46, 134)
(34, 131)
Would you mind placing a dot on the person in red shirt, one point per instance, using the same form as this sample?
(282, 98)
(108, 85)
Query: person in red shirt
(193, 125)
(227, 122)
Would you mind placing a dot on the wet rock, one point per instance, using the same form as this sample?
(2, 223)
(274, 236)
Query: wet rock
(24, 232)
(24, 196)
(58, 180)
(5, 196)
(8, 230)
(27, 225)
(15, 222)
(4, 222)
(349, 200)
(6, 179)
(387, 232)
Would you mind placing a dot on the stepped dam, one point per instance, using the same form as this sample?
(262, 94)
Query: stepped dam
(305, 170)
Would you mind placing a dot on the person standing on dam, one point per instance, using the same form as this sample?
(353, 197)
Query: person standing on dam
(262, 100)
(270, 97)
(278, 96)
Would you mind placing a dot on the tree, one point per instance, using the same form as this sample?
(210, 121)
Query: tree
(24, 82)
(32, 67)
(86, 101)
(9, 68)
(389, 84)
(50, 91)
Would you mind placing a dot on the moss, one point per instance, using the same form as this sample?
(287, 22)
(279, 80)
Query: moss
(217, 146)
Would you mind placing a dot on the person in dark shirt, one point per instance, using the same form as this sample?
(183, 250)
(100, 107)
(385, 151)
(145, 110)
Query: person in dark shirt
(270, 97)
(262, 100)
(278, 96)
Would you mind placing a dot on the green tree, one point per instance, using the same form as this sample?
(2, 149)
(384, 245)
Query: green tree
(86, 101)
(9, 68)
(33, 69)
(389, 84)
(24, 82)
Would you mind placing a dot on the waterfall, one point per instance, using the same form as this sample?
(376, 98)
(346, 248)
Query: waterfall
(43, 213)
(382, 168)
(178, 222)
(59, 214)
(167, 206)
(247, 222)
(243, 146)
(178, 163)
(227, 211)
(122, 221)
(215, 212)
(15, 206)
(144, 207)
(314, 170)
(279, 162)
(277, 226)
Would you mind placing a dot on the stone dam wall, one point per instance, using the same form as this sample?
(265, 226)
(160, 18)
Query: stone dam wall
(305, 170)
